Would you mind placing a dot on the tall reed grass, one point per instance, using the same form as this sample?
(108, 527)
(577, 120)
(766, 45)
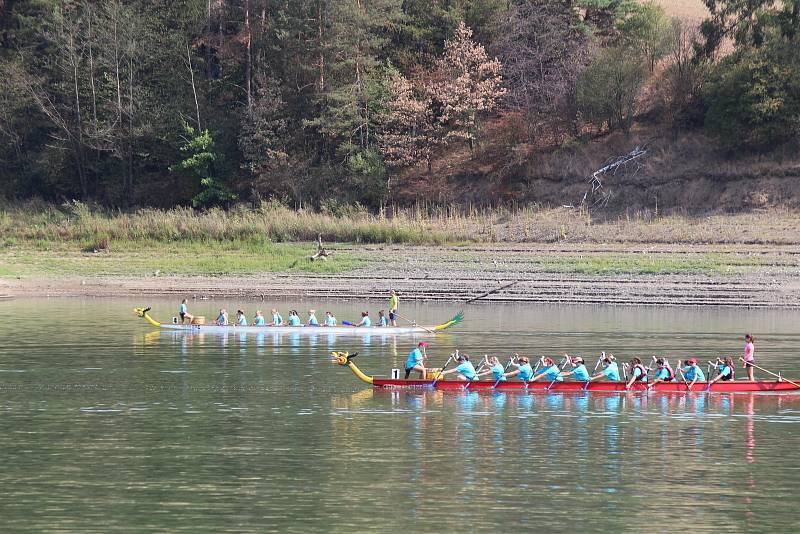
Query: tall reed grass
(422, 224)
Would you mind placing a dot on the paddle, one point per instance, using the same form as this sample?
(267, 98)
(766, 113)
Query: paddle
(414, 323)
(510, 360)
(441, 372)
(779, 377)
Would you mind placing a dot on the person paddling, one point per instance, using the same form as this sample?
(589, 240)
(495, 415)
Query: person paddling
(277, 319)
(523, 370)
(551, 371)
(664, 373)
(365, 320)
(495, 368)
(294, 318)
(241, 320)
(222, 318)
(724, 369)
(749, 356)
(579, 371)
(638, 372)
(259, 320)
(416, 360)
(183, 311)
(465, 370)
(312, 318)
(382, 320)
(691, 373)
(394, 302)
(330, 320)
(610, 370)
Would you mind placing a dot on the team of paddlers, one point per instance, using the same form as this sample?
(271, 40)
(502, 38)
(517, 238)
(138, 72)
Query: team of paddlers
(574, 367)
(293, 318)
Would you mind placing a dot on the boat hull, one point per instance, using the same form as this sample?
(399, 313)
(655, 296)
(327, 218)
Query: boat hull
(608, 387)
(339, 330)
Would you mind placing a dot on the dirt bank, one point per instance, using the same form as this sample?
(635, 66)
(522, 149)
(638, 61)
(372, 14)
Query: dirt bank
(754, 276)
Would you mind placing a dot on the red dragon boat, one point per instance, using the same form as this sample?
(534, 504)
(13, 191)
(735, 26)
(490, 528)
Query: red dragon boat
(737, 386)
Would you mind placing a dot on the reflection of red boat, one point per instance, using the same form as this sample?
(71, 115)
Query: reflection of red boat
(344, 358)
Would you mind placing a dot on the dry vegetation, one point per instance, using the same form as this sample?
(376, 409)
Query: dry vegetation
(47, 227)
(685, 9)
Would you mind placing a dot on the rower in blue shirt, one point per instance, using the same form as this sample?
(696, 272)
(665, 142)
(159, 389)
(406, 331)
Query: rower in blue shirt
(312, 318)
(416, 360)
(495, 369)
(183, 311)
(222, 318)
(610, 370)
(330, 320)
(523, 370)
(724, 370)
(465, 369)
(277, 319)
(294, 319)
(638, 372)
(691, 373)
(259, 320)
(664, 372)
(579, 371)
(551, 371)
(382, 320)
(365, 320)
(241, 320)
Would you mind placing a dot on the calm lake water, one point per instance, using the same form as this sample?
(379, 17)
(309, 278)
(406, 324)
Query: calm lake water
(109, 425)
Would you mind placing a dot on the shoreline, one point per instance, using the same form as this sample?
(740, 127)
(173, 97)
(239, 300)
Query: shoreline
(743, 276)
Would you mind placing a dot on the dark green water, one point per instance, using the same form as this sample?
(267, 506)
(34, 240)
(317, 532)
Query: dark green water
(108, 425)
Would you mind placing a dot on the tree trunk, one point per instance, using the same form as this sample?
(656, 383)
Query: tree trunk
(321, 62)
(248, 63)
(194, 88)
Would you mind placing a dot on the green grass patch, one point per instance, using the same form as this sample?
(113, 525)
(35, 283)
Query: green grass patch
(144, 258)
(642, 264)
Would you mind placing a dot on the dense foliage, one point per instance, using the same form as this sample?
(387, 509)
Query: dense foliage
(193, 102)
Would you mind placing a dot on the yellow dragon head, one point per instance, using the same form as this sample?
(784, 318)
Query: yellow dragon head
(141, 311)
(342, 358)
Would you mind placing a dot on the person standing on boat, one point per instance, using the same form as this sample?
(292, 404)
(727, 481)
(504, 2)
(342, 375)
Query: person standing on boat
(552, 371)
(579, 371)
(312, 318)
(664, 372)
(724, 369)
(277, 319)
(222, 318)
(610, 370)
(523, 369)
(241, 320)
(638, 372)
(259, 320)
(183, 311)
(691, 373)
(330, 320)
(749, 356)
(294, 318)
(495, 369)
(416, 360)
(465, 369)
(382, 321)
(394, 303)
(365, 320)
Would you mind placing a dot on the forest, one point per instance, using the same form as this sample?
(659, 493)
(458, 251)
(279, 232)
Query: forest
(318, 103)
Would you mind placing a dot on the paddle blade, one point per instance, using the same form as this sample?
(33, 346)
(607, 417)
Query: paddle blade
(347, 323)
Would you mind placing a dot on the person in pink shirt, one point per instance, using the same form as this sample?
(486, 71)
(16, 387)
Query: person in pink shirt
(749, 358)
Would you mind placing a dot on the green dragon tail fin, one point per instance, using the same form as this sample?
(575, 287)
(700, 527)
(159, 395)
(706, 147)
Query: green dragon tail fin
(457, 318)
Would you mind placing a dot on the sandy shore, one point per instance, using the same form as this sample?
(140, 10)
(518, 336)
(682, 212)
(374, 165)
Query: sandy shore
(506, 273)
